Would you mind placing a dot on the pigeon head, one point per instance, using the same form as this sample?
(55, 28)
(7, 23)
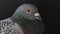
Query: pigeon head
(27, 11)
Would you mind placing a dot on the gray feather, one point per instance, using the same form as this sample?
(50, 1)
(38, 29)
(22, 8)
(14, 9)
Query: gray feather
(7, 26)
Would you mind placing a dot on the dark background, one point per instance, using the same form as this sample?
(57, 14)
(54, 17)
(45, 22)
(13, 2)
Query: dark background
(49, 10)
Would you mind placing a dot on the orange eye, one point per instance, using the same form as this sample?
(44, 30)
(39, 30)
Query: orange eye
(28, 11)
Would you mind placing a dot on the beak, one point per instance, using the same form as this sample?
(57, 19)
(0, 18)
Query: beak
(37, 16)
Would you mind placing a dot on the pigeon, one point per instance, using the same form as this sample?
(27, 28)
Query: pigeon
(25, 20)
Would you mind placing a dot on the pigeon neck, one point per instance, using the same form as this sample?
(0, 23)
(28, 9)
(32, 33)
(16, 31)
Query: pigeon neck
(17, 18)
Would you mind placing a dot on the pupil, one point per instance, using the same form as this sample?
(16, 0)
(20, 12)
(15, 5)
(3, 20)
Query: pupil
(28, 10)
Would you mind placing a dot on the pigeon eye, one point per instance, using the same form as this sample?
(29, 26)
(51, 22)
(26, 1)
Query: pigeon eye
(28, 11)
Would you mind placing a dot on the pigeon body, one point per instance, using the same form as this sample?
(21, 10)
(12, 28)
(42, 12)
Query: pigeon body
(25, 20)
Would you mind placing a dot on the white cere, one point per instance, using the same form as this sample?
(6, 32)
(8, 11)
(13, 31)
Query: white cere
(37, 14)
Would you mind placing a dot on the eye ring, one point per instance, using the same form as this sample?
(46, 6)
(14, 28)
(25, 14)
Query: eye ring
(28, 11)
